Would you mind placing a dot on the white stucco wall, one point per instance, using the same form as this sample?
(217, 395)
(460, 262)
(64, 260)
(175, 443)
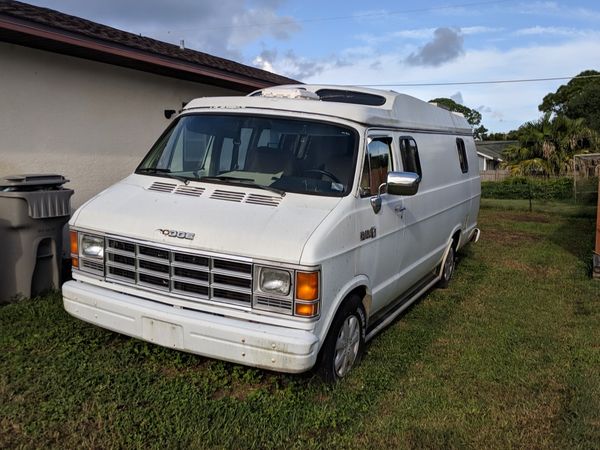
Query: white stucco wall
(89, 121)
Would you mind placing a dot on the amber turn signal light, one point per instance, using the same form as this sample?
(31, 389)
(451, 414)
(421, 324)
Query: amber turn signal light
(307, 285)
(307, 309)
(74, 249)
(74, 243)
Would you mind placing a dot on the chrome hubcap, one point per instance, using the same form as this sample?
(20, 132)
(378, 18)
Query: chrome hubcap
(346, 346)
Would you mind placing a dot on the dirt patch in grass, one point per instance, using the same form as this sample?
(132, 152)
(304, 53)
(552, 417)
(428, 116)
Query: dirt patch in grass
(523, 217)
(9, 432)
(506, 237)
(537, 271)
(237, 392)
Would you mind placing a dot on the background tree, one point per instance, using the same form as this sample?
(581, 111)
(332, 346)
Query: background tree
(473, 116)
(511, 135)
(547, 146)
(580, 97)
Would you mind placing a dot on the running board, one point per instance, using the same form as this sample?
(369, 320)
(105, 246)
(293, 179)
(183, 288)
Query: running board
(403, 303)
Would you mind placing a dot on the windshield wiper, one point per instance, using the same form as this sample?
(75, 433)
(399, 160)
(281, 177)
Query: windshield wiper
(225, 178)
(243, 182)
(153, 170)
(165, 173)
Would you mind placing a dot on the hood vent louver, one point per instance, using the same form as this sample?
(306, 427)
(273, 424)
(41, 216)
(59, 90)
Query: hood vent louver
(191, 191)
(162, 187)
(265, 200)
(228, 196)
(218, 194)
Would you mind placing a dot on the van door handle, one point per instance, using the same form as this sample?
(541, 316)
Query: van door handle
(400, 209)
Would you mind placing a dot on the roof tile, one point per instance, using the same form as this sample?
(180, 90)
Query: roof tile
(76, 25)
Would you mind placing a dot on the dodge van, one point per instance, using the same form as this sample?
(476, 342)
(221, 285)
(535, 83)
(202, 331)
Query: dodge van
(281, 230)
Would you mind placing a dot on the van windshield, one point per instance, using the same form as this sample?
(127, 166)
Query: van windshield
(279, 154)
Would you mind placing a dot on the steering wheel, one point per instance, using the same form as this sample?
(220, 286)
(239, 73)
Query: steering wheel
(324, 173)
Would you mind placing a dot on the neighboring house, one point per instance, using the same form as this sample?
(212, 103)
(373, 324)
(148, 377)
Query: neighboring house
(87, 101)
(489, 154)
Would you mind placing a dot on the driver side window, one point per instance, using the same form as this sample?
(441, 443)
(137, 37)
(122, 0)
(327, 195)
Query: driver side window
(377, 164)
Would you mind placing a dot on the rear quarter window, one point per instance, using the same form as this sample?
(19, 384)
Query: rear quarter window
(462, 155)
(409, 153)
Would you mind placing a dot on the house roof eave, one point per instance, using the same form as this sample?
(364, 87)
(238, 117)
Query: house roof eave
(488, 156)
(29, 33)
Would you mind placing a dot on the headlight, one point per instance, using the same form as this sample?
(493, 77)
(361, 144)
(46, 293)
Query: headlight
(274, 281)
(92, 246)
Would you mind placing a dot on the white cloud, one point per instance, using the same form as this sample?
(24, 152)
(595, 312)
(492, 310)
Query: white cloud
(549, 8)
(480, 30)
(358, 52)
(414, 34)
(538, 7)
(458, 98)
(420, 34)
(552, 31)
(510, 105)
(265, 60)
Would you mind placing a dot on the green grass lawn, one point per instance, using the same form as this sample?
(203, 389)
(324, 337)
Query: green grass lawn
(508, 356)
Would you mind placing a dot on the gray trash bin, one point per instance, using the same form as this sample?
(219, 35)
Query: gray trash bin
(33, 212)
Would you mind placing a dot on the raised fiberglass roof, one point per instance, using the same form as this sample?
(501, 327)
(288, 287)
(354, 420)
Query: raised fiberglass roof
(395, 110)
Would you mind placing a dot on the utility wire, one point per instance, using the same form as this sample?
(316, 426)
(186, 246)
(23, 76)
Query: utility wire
(459, 83)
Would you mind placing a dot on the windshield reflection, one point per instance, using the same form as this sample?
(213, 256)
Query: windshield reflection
(278, 154)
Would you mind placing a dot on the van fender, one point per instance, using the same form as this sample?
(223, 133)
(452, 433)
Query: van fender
(456, 229)
(356, 282)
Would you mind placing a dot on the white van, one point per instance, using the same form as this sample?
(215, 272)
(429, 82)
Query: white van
(279, 230)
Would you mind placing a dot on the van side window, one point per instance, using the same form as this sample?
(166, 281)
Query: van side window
(462, 155)
(189, 150)
(378, 162)
(410, 156)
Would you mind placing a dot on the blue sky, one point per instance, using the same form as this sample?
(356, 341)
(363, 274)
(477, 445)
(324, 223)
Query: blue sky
(378, 42)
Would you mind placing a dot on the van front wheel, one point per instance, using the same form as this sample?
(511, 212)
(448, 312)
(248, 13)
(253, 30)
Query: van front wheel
(345, 342)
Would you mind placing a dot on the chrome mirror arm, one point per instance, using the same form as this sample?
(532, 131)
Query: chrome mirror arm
(376, 200)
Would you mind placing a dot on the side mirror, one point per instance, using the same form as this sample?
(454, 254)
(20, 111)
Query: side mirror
(397, 183)
(403, 183)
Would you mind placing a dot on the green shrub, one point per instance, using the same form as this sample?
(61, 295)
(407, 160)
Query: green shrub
(524, 188)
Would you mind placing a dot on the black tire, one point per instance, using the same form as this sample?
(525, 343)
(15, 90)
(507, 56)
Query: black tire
(448, 269)
(334, 364)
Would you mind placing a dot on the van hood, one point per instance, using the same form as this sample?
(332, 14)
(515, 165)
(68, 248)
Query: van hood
(234, 220)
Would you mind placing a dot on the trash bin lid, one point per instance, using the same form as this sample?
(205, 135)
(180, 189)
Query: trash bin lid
(31, 182)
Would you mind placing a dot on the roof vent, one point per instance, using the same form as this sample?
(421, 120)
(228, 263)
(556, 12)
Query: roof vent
(349, 96)
(290, 93)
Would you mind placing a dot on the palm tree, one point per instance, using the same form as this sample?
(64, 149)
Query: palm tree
(547, 146)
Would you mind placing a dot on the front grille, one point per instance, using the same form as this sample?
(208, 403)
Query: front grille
(283, 305)
(117, 272)
(181, 273)
(92, 265)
